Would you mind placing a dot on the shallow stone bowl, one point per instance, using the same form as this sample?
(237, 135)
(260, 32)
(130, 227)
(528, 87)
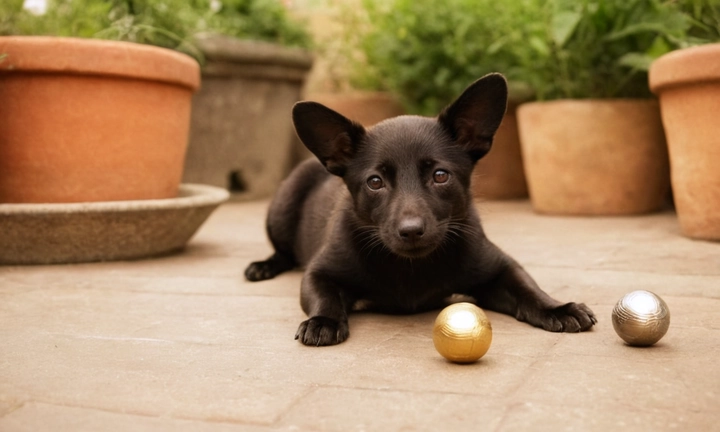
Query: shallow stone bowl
(104, 231)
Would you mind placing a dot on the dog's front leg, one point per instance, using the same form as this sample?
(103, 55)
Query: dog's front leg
(327, 305)
(514, 292)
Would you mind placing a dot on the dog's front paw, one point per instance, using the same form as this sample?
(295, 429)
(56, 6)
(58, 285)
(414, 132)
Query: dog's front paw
(570, 317)
(321, 331)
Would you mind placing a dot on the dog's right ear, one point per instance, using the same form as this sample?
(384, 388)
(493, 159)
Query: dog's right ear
(331, 137)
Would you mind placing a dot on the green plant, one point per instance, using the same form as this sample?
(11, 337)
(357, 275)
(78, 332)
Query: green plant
(705, 15)
(427, 51)
(256, 19)
(62, 18)
(166, 23)
(603, 48)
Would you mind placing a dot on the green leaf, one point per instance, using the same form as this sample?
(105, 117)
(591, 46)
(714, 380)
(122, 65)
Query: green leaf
(636, 61)
(495, 46)
(402, 33)
(539, 46)
(642, 61)
(670, 25)
(658, 48)
(563, 25)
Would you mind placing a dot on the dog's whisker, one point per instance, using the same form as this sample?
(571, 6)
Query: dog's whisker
(368, 238)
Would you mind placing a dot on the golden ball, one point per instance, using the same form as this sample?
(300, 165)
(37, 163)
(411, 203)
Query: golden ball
(462, 333)
(641, 318)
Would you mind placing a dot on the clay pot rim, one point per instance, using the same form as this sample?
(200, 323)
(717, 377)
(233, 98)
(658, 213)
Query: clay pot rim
(50, 54)
(598, 101)
(685, 66)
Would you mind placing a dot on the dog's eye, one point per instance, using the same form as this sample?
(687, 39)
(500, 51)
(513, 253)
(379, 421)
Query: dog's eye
(375, 183)
(441, 176)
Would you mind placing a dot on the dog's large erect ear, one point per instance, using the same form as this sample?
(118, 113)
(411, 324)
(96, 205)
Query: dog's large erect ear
(331, 137)
(475, 116)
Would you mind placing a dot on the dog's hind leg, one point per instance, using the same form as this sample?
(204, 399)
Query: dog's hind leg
(268, 269)
(283, 220)
(281, 227)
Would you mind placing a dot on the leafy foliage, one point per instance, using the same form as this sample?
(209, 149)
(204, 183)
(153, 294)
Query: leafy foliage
(427, 51)
(165, 23)
(63, 18)
(256, 19)
(705, 15)
(604, 48)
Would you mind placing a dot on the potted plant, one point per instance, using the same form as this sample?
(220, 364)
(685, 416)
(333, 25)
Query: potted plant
(332, 27)
(90, 120)
(593, 144)
(249, 86)
(687, 81)
(93, 132)
(425, 53)
(335, 29)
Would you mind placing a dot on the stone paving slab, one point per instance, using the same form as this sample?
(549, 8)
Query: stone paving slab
(183, 342)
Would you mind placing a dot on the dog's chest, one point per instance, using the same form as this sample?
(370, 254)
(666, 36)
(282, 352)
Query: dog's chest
(408, 289)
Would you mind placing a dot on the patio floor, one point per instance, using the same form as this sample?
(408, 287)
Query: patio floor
(184, 343)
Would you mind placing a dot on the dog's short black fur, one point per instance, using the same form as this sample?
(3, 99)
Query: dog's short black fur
(386, 218)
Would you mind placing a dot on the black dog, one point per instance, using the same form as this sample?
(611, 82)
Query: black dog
(401, 234)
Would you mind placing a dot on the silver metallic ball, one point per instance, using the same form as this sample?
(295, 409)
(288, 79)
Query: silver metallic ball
(641, 318)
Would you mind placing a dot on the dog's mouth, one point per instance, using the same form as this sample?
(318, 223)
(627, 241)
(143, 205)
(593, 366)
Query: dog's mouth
(414, 252)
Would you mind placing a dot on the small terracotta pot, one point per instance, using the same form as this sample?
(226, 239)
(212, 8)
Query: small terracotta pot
(688, 85)
(88, 120)
(500, 175)
(594, 157)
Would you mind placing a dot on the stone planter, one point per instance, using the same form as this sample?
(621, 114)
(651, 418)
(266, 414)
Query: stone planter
(500, 174)
(89, 120)
(688, 85)
(594, 157)
(241, 136)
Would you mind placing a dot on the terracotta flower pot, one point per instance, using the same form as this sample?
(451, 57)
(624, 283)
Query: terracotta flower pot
(594, 157)
(88, 120)
(688, 85)
(500, 175)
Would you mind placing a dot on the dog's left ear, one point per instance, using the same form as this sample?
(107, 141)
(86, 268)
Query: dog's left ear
(475, 116)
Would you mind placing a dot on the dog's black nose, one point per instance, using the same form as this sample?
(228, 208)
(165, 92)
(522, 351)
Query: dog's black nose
(411, 229)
